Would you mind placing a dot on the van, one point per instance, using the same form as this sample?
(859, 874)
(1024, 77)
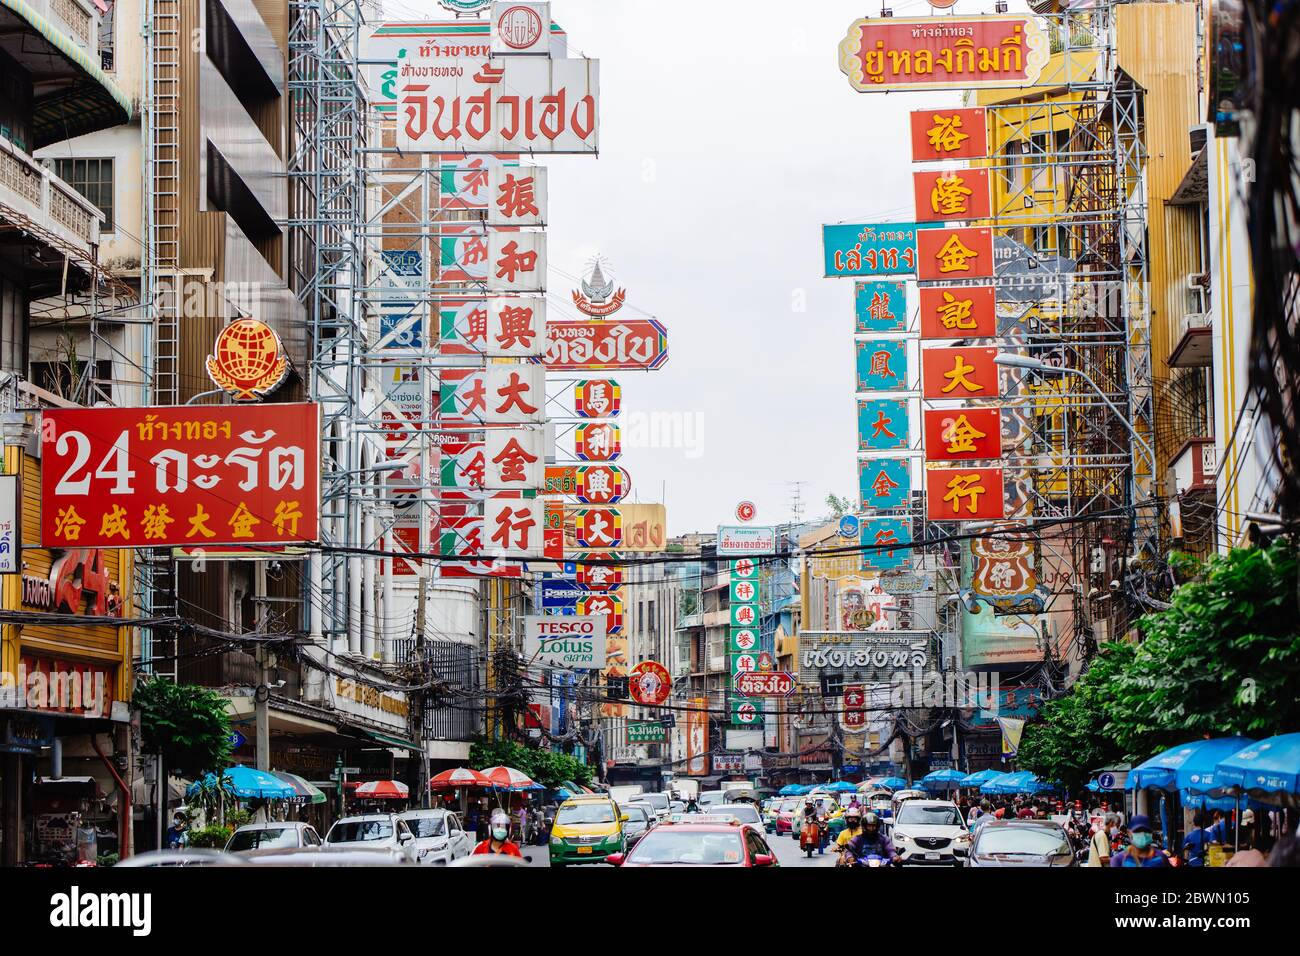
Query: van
(587, 829)
(625, 793)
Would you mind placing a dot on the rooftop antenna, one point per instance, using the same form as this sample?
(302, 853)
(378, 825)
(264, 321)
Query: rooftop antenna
(796, 500)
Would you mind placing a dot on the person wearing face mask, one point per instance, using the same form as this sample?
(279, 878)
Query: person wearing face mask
(1142, 851)
(498, 840)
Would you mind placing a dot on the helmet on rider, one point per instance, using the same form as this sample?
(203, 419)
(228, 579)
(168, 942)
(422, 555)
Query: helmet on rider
(853, 815)
(871, 825)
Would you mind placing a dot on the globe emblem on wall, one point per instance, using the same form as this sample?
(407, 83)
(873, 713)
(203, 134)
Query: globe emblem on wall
(248, 360)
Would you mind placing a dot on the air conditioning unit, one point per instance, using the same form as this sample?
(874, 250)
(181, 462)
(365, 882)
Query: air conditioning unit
(1195, 321)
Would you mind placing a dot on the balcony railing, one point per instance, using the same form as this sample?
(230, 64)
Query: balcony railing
(46, 202)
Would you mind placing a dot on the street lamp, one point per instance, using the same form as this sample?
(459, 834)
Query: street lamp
(1012, 360)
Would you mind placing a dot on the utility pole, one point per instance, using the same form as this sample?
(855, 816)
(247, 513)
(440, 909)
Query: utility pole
(262, 695)
(425, 695)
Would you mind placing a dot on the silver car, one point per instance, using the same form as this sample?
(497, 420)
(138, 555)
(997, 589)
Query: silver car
(262, 837)
(439, 837)
(372, 831)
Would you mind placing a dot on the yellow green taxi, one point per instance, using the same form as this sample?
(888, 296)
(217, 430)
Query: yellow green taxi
(587, 829)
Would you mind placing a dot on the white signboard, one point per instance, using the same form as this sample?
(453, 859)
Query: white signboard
(512, 527)
(516, 326)
(565, 641)
(743, 539)
(517, 195)
(514, 458)
(516, 262)
(10, 526)
(521, 28)
(497, 105)
(387, 708)
(514, 394)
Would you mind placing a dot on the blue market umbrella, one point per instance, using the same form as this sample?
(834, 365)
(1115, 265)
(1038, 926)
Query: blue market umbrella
(979, 778)
(892, 783)
(1093, 786)
(942, 779)
(841, 786)
(1189, 766)
(994, 784)
(1268, 770)
(247, 784)
(790, 790)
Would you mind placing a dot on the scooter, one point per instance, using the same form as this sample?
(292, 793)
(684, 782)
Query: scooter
(812, 836)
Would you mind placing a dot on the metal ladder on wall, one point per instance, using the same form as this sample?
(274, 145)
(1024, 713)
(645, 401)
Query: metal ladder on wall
(162, 289)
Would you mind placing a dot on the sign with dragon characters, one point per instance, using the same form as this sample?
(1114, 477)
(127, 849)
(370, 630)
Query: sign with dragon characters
(863, 656)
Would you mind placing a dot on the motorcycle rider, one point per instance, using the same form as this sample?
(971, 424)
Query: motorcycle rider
(852, 829)
(872, 841)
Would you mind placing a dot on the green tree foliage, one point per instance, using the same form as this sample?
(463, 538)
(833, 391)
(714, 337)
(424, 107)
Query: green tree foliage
(1068, 737)
(1223, 659)
(546, 767)
(840, 506)
(188, 725)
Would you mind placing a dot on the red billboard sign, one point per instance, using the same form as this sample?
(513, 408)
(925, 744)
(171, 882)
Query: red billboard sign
(949, 134)
(190, 476)
(963, 434)
(952, 53)
(959, 373)
(764, 684)
(605, 344)
(958, 312)
(952, 194)
(958, 254)
(964, 494)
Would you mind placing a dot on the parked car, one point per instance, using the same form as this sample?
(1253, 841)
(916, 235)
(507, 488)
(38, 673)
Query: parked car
(641, 819)
(439, 837)
(930, 832)
(1021, 843)
(699, 844)
(371, 831)
(261, 837)
(587, 829)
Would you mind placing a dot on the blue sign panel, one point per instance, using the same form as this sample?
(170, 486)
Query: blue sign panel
(870, 249)
(880, 535)
(880, 307)
(883, 425)
(850, 526)
(884, 483)
(565, 593)
(882, 365)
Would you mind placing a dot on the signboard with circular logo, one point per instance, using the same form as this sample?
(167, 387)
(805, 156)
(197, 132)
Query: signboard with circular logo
(519, 27)
(744, 639)
(464, 6)
(743, 568)
(745, 511)
(649, 683)
(850, 526)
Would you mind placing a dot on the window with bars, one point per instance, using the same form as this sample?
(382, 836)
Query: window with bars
(93, 178)
(106, 36)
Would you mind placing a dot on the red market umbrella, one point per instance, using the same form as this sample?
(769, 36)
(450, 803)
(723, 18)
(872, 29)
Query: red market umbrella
(383, 790)
(459, 777)
(508, 778)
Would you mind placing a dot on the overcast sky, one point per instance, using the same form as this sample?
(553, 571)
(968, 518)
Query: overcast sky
(728, 137)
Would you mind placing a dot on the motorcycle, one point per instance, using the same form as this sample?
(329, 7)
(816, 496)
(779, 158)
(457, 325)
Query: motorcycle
(813, 836)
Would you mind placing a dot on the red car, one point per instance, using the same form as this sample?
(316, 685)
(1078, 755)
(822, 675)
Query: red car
(785, 818)
(698, 844)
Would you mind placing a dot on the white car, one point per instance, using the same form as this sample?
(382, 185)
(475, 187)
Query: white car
(439, 837)
(267, 837)
(930, 832)
(660, 804)
(372, 831)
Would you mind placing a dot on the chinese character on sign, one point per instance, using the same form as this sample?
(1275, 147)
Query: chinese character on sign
(513, 393)
(883, 486)
(959, 376)
(879, 308)
(961, 436)
(513, 262)
(513, 528)
(954, 256)
(517, 198)
(949, 195)
(880, 364)
(955, 313)
(945, 135)
(964, 487)
(516, 329)
(881, 427)
(513, 461)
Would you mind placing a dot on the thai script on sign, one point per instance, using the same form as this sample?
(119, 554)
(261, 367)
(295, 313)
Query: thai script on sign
(964, 52)
(154, 477)
(497, 106)
(632, 344)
